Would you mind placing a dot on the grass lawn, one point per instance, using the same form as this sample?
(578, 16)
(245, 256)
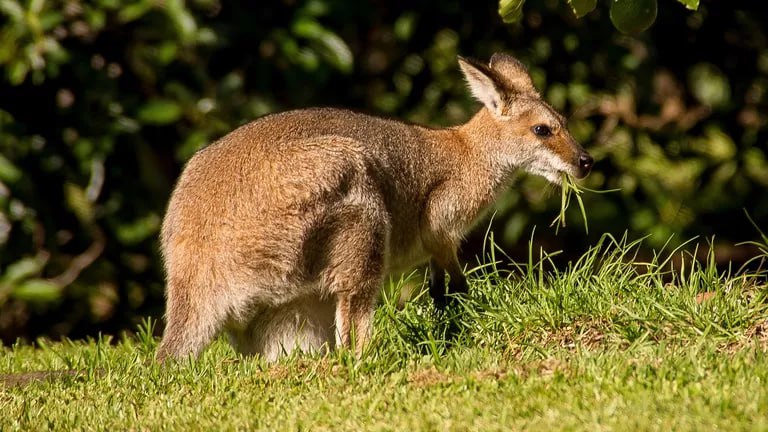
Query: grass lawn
(600, 345)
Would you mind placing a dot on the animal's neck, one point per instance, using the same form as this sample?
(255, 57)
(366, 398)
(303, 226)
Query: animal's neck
(478, 174)
(491, 155)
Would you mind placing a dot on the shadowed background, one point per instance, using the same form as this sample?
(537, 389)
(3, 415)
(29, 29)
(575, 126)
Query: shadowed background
(102, 102)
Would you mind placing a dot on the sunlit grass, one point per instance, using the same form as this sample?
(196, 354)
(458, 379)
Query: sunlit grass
(600, 344)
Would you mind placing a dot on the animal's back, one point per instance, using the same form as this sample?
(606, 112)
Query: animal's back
(267, 183)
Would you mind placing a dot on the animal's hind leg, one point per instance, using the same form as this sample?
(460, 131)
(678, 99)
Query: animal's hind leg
(354, 275)
(191, 323)
(354, 313)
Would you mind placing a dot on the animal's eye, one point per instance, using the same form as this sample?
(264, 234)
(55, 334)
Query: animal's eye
(542, 130)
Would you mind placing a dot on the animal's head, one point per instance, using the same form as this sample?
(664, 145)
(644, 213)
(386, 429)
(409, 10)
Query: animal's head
(522, 130)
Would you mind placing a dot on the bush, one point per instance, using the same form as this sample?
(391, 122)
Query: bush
(102, 102)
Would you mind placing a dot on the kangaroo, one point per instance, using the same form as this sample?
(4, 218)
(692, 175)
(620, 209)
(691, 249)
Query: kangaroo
(281, 232)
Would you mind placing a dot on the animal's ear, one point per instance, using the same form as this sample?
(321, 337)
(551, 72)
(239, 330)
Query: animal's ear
(483, 84)
(513, 74)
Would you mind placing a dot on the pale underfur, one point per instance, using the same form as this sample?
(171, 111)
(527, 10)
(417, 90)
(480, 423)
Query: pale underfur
(281, 232)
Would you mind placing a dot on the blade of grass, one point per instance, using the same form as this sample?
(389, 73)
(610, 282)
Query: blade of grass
(569, 188)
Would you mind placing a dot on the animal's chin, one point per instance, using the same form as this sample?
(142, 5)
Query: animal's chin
(552, 171)
(554, 177)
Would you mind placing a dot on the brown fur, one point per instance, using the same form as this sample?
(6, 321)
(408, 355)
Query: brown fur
(302, 213)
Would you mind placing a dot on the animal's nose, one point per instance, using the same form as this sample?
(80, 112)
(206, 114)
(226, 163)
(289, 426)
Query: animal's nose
(585, 163)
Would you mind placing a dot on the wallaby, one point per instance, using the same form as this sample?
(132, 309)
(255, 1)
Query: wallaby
(281, 232)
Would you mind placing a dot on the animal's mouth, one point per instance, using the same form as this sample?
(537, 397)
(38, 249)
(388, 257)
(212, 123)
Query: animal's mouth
(581, 169)
(555, 176)
(553, 168)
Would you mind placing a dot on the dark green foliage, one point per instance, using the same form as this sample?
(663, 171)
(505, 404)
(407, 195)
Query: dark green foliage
(628, 16)
(102, 102)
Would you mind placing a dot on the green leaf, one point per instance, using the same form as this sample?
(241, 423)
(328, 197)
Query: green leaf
(37, 290)
(50, 19)
(582, 7)
(633, 16)
(326, 43)
(405, 26)
(709, 85)
(96, 18)
(716, 145)
(139, 230)
(182, 20)
(167, 51)
(78, 202)
(12, 9)
(308, 28)
(194, 142)
(511, 10)
(22, 269)
(690, 4)
(17, 72)
(334, 50)
(36, 6)
(134, 11)
(314, 8)
(159, 112)
(8, 171)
